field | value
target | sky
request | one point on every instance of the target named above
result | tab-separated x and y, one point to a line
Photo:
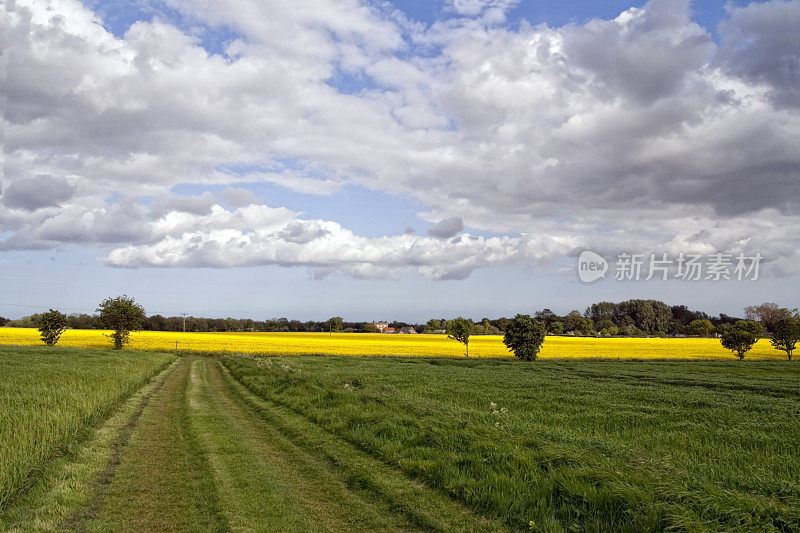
396	160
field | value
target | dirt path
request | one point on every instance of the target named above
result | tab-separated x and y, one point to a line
206	455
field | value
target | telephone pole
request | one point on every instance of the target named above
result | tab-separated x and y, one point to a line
184	321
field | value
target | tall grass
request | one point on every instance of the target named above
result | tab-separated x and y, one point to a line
583	445
48	398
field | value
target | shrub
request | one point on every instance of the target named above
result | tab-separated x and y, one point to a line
786	334
524	336
460	329
51	325
122	315
741	337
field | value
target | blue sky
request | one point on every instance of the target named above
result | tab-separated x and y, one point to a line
367	178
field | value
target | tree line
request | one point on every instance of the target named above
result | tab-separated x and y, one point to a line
630	318
201	324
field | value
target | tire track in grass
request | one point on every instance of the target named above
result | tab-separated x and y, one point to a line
265	482
71	485
118	447
425	508
163	481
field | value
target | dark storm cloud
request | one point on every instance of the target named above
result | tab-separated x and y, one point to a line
301	232
40	191
649	60
444	229
761	43
195	205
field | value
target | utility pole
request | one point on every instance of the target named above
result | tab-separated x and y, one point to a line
184	321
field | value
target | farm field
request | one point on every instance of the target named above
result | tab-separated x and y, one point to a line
395	345
566	445
354	444
49	397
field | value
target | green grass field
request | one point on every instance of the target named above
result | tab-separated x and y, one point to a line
48	397
147	442
587	445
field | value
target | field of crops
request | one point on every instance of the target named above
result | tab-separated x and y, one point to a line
566	445
385	344
48	397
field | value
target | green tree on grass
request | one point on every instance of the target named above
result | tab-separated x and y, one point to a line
122	315
460	329
51	325
524	336
741	337
786	334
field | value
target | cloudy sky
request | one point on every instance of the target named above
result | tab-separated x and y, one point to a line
403	159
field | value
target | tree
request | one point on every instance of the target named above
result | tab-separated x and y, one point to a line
487	328
80	321
433	325
557	328
586	327
752	326
122	315
51	325
767	313
741	337
335	323
609	331
524	336
786	334
700	327
573	321
459	329
546	316
3	321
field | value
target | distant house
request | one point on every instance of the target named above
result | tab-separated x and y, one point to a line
381	326
408	330
387	329
439	331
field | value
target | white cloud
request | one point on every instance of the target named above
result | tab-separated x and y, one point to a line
614	133
258	235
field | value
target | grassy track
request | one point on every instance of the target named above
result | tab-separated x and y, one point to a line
263	479
163	481
375	482
198	452
51	398
586	445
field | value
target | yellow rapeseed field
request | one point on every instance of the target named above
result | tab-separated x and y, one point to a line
387	344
